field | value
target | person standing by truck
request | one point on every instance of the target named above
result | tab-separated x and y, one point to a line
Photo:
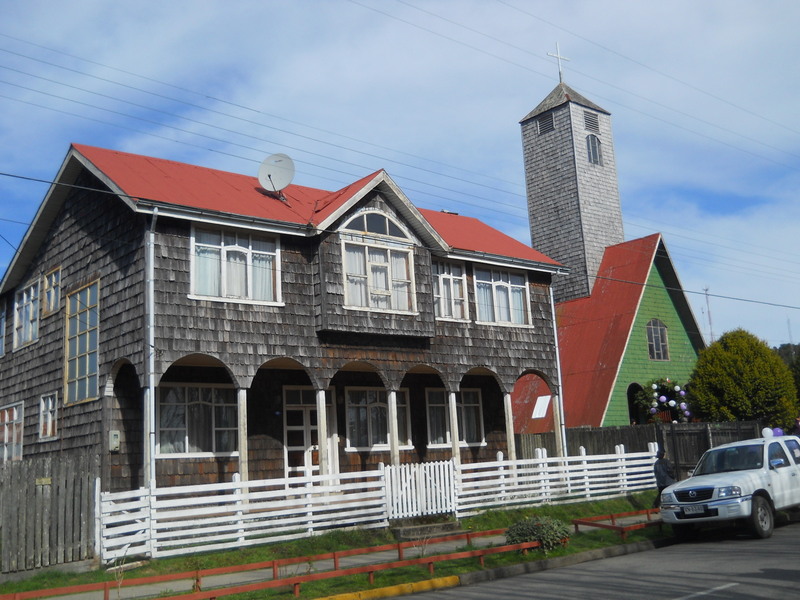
664	472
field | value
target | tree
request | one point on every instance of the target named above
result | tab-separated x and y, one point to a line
739	377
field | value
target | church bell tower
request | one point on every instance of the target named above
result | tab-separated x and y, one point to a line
571	180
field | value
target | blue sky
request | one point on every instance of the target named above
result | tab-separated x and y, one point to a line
702	94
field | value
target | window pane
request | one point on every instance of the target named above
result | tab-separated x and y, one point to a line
519	310
172	442
236	275
485	302
199	426
263	277
376	223
437	424
207	272
379	424
172	416
225	441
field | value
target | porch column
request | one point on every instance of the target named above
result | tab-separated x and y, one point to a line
454	444
241	400
512	447
323	443
394	442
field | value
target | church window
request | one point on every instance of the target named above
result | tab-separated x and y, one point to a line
593	150
591	121
545	123
657	340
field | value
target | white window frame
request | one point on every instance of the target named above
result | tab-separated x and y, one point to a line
437	398
657	340
502	282
379	400
12	424
26	314
450	291
184	397
51	292
48	416
377	248
594	150
235	242
82	345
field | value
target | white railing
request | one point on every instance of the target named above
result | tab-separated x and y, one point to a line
180	520
503	484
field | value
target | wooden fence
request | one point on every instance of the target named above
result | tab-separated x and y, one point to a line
46	511
181	520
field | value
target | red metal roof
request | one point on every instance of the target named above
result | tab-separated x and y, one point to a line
593	332
201	188
472	235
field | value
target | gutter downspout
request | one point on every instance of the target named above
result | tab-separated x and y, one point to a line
558	406
150	348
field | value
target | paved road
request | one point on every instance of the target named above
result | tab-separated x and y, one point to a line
721	565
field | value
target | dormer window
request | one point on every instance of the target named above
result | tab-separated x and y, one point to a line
378	264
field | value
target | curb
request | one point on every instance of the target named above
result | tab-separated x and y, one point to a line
399	590
501	572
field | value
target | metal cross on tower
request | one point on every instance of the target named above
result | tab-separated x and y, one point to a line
558	57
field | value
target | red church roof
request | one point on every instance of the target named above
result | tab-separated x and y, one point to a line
593	332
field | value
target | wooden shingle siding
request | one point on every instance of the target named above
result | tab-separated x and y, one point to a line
93	237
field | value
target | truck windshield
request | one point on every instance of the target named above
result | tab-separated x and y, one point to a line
738	458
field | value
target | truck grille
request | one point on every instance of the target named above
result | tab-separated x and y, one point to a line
694	495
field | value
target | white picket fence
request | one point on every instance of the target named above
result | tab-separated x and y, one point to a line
164	522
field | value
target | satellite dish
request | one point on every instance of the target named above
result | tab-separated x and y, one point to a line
276	172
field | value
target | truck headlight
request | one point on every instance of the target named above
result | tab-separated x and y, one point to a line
667	498
730	491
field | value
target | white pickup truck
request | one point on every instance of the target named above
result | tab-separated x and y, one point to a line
742	481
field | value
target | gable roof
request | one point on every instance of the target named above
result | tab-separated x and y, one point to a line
146	184
593	332
562	94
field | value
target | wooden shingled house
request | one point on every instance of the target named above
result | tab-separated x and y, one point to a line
188	326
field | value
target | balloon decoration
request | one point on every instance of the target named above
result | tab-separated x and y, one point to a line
667	402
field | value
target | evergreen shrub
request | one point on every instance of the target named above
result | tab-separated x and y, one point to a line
549	532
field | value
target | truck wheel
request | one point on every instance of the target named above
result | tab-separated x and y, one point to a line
762	521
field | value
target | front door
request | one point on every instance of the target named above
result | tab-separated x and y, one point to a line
301	432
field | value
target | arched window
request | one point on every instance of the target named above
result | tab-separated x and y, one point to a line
378	263
593	149
657	340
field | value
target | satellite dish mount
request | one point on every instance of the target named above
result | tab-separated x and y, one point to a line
275	173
